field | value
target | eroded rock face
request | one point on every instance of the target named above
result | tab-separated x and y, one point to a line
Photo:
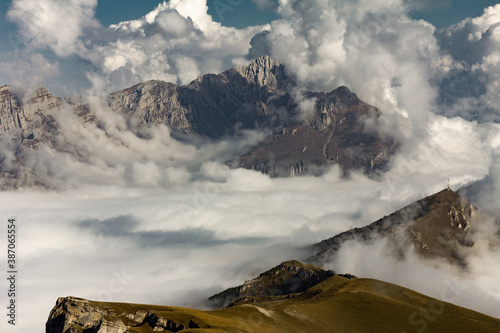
256	96
76	315
18	115
155	102
461	215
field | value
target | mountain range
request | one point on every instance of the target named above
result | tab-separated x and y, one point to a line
330	129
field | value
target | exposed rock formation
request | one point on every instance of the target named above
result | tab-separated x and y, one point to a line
28	116
212	105
76	315
257	96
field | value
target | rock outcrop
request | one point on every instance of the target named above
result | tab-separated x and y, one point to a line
212	105
26	116
257	96
77	315
287	278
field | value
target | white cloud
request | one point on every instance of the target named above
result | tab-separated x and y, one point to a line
176	42
151	47
54	23
474	43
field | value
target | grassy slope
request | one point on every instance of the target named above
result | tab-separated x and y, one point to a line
336	305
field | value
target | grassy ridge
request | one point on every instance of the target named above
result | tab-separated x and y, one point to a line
335	305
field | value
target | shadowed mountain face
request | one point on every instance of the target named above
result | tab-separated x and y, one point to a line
335	304
255	97
334	133
439	226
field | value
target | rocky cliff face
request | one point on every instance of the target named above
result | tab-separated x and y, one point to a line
257	96
76	315
26	122
439	226
25	116
212	105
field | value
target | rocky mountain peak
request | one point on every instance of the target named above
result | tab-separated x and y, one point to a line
263	71
253	97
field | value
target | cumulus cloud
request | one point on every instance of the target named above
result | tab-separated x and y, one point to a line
55	24
372	47
28	71
176	42
469	90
